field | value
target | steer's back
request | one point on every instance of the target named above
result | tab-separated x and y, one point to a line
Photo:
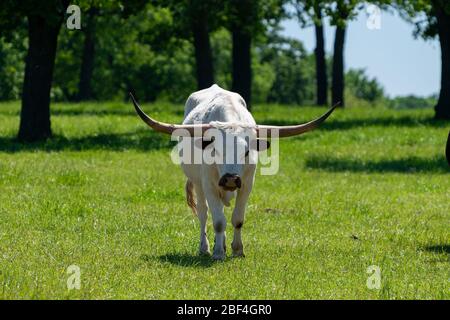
216	104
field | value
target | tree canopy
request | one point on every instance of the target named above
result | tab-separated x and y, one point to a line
168	49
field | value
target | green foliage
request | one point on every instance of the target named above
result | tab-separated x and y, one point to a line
144	55
368	188
67	65
308	11
340	11
12	12
282	69
254	16
185	13
264	76
359	84
147	48
412	102
221	44
293	68
128	59
419	13
12	56
422	14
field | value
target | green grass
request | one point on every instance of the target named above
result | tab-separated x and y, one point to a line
371	187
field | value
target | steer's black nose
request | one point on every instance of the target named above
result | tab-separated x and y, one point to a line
230	182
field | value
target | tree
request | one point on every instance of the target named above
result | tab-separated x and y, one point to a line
195	19
87	60
312	10
243	16
436	24
202	45
321	66
44	21
441	11
247	19
360	86
141	55
91	11
293	70
340	11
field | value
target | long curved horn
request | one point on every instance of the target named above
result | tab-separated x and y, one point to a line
289	131
193	129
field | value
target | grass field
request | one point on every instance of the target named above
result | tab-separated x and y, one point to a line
371	187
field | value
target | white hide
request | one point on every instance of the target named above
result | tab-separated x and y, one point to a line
227	112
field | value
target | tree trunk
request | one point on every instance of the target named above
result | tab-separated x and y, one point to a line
442	108
40	60
242	22
242	65
87	61
338	84
321	67
203	53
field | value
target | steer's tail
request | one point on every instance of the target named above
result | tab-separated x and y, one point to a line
190	196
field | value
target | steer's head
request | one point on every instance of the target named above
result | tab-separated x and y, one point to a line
231	147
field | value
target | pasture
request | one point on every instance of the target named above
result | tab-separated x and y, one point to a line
371	187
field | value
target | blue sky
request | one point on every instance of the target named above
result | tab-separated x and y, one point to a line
404	65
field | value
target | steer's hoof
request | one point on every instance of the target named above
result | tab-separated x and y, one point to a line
204	249
204	253
220	256
238	254
238	249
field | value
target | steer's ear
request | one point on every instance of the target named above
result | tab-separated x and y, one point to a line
262	145
203	142
206	143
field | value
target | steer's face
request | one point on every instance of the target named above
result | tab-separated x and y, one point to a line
235	156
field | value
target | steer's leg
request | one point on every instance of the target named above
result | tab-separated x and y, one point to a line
237	220
202	212
219	223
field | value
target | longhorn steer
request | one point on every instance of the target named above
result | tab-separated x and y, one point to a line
213	185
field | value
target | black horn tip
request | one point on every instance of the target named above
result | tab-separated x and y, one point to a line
337	104
132	96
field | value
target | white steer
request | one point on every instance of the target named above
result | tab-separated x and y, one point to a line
223	129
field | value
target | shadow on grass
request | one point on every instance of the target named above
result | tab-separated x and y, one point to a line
405	165
128	111
345	124
182	260
143	140
131	112
439	248
104	112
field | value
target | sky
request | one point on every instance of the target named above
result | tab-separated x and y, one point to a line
402	64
